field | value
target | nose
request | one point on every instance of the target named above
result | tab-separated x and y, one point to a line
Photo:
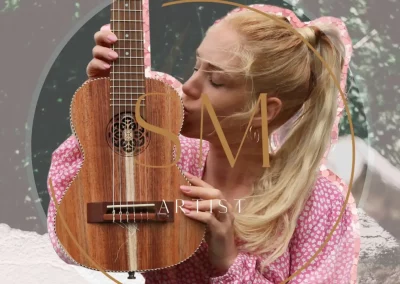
193	87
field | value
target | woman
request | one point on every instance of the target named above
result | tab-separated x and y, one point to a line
277	217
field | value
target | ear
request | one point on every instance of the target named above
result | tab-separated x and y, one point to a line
274	106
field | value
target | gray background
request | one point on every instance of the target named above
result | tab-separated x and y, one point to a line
46	45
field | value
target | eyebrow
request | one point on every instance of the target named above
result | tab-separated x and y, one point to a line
211	66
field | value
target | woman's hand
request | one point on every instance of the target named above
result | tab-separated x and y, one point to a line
220	234
103	55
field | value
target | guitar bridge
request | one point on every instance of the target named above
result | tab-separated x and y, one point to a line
130	212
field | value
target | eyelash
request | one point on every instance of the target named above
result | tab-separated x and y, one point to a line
212	83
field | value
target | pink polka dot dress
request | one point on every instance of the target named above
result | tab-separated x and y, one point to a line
333	265
336	263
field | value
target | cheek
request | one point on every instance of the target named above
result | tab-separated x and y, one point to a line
225	101
229	103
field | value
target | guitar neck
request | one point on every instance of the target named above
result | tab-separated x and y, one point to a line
127	74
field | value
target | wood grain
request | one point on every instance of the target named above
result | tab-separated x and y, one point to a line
120	247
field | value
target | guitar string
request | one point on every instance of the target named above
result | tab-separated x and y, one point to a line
129	37
134	145
130	72
123	173
120	115
123	67
139	8
134	111
137	76
113	117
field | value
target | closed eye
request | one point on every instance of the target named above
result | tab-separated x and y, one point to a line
211	81
214	84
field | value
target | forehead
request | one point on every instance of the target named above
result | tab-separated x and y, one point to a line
218	46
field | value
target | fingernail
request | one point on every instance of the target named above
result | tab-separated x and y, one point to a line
187	203
113	54
186	211
185	188
106	65
106	27
112	37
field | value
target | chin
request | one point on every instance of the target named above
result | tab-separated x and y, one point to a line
190	131
190	134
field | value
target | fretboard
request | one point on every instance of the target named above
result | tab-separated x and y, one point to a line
127	74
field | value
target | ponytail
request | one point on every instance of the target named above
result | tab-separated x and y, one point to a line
268	217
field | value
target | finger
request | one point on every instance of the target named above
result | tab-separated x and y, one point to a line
104	53
204	217
105	38
106	27
197	181
218	206
201	192
97	68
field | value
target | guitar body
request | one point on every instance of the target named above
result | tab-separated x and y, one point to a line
115	151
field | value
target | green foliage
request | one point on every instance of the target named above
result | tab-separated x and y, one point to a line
357	112
10	5
374	99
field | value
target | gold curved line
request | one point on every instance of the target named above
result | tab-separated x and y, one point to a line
73	238
345	105
347	112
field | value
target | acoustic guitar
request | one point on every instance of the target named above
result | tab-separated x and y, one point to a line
123	205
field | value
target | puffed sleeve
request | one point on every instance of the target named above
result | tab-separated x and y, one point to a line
65	163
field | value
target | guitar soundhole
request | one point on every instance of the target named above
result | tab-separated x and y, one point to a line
125	136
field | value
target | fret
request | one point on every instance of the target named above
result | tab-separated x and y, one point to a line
126	99
125	65
133	54
112	87
137	73
127	30
127	105
138	80
125	94
131	72
126	10
128	68
122	39
127	24
121	15
126	57
129	48
132	93
136	39
138	21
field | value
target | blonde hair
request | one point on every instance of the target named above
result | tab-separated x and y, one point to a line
278	62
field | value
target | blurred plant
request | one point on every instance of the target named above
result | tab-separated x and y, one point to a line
357	112
10	5
373	93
